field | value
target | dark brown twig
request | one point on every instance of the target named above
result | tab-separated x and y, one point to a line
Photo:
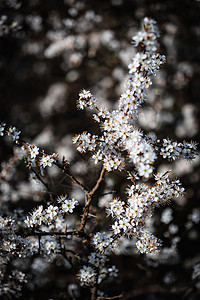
111	298
89	199
64	169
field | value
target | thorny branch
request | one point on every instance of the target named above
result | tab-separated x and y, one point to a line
89	199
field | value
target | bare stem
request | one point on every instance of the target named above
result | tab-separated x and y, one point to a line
94	293
89	199
64	169
111	298
44	233
59	234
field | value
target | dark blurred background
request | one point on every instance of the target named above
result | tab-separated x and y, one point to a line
50	50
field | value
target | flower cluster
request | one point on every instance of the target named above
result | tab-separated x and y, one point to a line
119	127
147	242
67	205
51	213
35	156
14	133
131	216
86	99
11	131
49	245
148	36
173	150
87	275
46	245
7	26
119	131
86	142
12	243
97	261
2	127
13	286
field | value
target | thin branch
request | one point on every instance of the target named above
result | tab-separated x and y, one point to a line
94	293
111	298
64	169
39	242
98	182
41	180
63	250
115	237
89	199
104	194
44	233
80	234
91	215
